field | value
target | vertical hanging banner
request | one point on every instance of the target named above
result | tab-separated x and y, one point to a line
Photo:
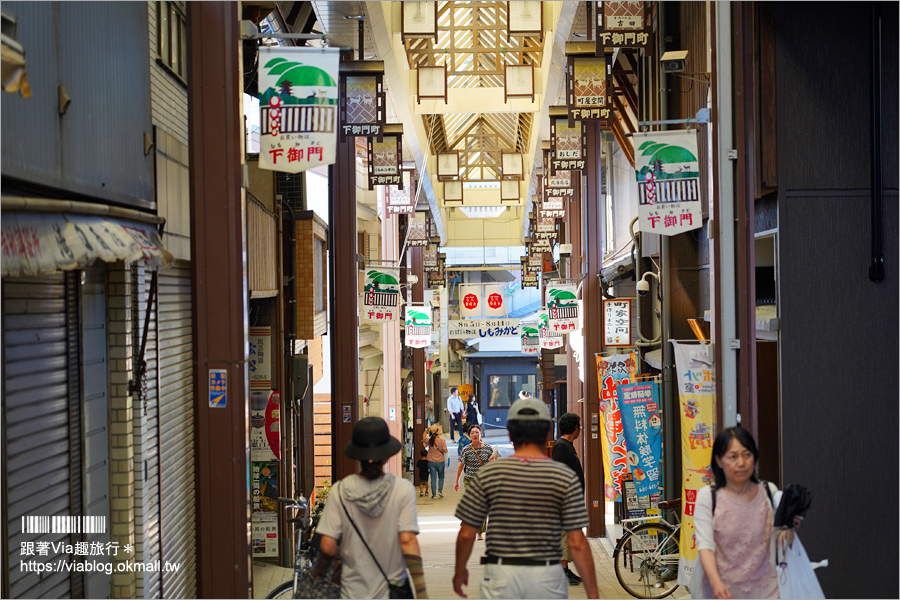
531	343
549	339
617	322
568	147
470	305
381	294
495	300
588	96
418	230
612	372
362	104
668	178
696	392
260	360
562	306
418	325
298	105
642	425
385	159
400	197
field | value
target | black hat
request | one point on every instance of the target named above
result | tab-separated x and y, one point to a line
372	441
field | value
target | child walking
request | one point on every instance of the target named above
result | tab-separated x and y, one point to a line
422	464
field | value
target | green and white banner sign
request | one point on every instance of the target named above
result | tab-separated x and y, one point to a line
381	294
298	105
531	343
549	339
668	178
418	325
562	307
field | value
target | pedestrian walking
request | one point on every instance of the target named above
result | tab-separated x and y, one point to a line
429	411
455	408
472	414
529	500
373	514
564	452
437	450
474	456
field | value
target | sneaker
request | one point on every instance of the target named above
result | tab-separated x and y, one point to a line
440	495
421	494
432	496
572	577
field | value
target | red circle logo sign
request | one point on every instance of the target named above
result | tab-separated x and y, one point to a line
495	300
470	301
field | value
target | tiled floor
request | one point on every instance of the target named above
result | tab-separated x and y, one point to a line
437	539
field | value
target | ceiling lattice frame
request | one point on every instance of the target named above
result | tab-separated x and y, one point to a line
473	43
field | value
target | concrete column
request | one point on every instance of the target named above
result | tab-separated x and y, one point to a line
219	297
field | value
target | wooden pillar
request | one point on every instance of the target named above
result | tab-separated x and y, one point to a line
417	268
592	229
343	272
219	302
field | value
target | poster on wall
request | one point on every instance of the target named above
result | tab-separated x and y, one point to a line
260	363
668	178
381	294
613	371
265	538
642	425
418	325
298	106
264	489
696	394
562	306
265	425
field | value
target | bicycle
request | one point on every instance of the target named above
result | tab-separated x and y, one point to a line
646	557
304	550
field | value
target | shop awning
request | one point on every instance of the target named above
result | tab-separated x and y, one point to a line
41	244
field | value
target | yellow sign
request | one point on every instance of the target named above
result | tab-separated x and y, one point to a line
464	391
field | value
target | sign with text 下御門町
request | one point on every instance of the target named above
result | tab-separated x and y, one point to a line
298	104
483	328
668	178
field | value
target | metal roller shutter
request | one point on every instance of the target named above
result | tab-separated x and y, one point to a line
36	424
176	432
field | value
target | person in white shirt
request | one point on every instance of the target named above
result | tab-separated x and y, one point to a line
455	408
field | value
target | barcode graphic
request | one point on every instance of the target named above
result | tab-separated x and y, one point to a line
63	524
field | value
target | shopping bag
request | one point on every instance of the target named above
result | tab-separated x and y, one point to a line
796	578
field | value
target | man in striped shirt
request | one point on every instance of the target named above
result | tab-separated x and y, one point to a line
529	500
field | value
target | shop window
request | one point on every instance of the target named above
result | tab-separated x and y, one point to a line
503	390
171	34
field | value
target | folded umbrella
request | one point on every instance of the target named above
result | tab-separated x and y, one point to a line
795	501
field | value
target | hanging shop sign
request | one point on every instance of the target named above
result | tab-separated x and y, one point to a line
298	107
552	210
418	230
668	178
560	179
612	372
531	342
562	306
470	301
385	160
483	328
260	360
530	272
642	424
588	85
418	325
381	294
617	322
621	25
549	338
362	103
494	300
400	197
430	258
567	145
696	393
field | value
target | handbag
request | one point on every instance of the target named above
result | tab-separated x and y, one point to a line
404	590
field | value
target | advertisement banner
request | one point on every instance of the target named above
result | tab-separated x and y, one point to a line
265	425
260	365
531	343
549	339
697	396
613	371
562	306
483	328
418	325
668	178
264	489
470	306
265	538
381	294
642	424
298	105
495	300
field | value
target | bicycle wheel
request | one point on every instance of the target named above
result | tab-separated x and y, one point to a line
283	590
646	560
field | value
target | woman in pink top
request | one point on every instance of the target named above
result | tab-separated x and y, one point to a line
734	546
437	449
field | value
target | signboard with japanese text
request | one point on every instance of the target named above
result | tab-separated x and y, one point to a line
470	301
564	180
612	372
617	322
265	537
548	337
622	25
642	425
483	328
400	197
567	145
264	489
531	342
668	178
697	399
495	300
381	294
218	388
260	359
362	105
430	257
385	158
265	425
418	325
298	107
562	306
588	90
637	507
418	230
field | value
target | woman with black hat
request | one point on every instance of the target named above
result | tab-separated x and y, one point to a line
373	514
